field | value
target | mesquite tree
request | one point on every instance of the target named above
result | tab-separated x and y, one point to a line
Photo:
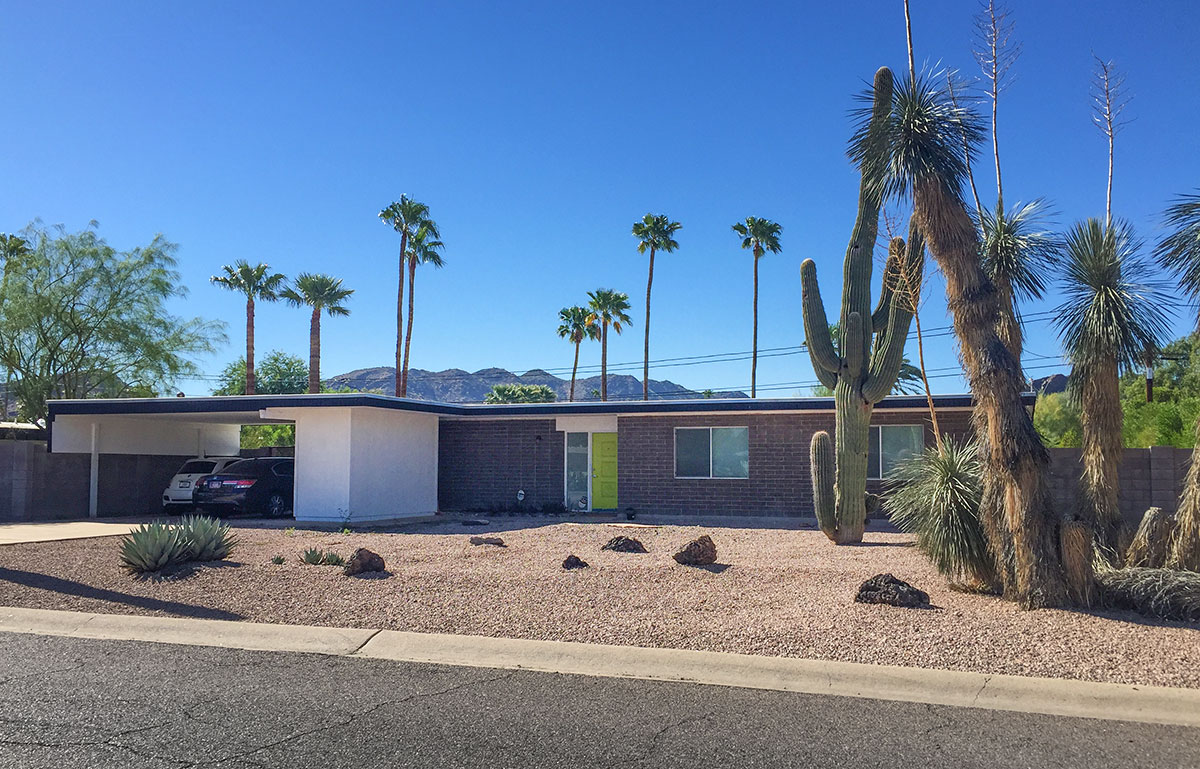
863	368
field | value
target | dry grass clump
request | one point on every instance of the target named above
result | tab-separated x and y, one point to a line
1166	593
1149	546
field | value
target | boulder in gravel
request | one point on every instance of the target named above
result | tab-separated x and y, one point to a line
624	544
884	588
488	541
574	562
364	560
699	552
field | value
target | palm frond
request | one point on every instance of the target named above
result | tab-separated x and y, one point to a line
320	291
1113	309
1179	250
759	235
656	231
1019	247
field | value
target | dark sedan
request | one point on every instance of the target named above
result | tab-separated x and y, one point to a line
260	486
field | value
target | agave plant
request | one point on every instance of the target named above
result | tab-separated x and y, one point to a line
333	559
206	538
313	556
936	495
153	547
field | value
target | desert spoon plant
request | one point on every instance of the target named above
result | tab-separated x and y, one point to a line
864	367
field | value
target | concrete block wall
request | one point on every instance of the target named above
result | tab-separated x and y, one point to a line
1150	477
483	463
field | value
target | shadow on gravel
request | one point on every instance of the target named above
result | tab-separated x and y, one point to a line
70	587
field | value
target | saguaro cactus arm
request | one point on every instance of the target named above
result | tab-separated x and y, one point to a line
821	464
816	327
889	347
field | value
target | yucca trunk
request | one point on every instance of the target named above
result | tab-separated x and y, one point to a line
400	312
646	358
250	345
754	338
314	351
1102	448
412	277
574	368
1008	326
1184	550
1016	510
603	361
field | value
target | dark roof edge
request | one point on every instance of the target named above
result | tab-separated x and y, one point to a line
234	403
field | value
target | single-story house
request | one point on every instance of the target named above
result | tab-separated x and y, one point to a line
366	457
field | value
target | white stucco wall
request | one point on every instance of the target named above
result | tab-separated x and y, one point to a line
360	464
138	435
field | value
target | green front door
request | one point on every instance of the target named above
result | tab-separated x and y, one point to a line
604	471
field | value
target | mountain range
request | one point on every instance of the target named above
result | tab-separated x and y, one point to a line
459	386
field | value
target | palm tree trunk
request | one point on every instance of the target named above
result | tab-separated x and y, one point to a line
249	345
1102	449
314	351
646	358
604	360
754	341
400	312
412	276
1016	504
1008	326
574	368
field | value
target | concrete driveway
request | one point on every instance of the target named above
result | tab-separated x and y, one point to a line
52	531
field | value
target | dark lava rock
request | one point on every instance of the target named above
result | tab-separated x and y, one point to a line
624	545
884	588
574	562
364	560
488	541
698	552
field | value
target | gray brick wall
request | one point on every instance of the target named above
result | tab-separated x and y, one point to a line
482	463
1150	477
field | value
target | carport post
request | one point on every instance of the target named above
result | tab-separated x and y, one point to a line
94	476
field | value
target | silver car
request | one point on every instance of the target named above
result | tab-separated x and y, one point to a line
177	497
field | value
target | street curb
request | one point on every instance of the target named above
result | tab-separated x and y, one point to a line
1047	696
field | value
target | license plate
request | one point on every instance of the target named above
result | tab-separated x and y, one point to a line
185	484
214	484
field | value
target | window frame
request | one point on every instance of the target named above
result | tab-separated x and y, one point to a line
710	476
877	447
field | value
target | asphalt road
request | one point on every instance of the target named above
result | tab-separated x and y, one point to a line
68	703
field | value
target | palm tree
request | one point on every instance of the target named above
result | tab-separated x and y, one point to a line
1111	315
1179	252
1019	251
320	292
654	233
405	216
576	324
922	152
258	283
608	308
758	236
423	248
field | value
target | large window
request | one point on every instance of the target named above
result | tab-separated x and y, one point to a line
890	445
712	452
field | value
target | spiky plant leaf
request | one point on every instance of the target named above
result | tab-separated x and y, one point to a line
333	559
1179	250
152	547
313	556
206	538
1019	248
936	495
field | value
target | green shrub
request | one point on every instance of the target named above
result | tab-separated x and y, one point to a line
206	538
333	559
277	560
313	556
1166	593
936	496
153	547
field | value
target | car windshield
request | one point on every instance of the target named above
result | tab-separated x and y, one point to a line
197	466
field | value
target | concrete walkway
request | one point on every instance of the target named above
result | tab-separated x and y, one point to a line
1058	697
51	531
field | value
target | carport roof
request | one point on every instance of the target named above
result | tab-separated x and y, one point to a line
230	408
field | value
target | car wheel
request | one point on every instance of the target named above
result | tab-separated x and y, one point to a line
276	505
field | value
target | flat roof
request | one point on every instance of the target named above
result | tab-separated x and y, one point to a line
250	405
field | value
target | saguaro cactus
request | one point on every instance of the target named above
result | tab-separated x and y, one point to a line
863	368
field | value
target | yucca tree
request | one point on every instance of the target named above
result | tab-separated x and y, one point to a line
576	324
423	248
1179	252
322	293
607	308
1111	314
923	154
259	284
759	236
406	216
1020	251
655	232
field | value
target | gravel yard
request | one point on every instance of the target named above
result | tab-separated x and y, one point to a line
773	591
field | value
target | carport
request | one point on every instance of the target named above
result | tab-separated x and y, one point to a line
359	457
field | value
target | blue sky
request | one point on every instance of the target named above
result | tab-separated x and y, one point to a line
538	133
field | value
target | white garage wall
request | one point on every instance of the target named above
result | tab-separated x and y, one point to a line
393	471
322	463
72	434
